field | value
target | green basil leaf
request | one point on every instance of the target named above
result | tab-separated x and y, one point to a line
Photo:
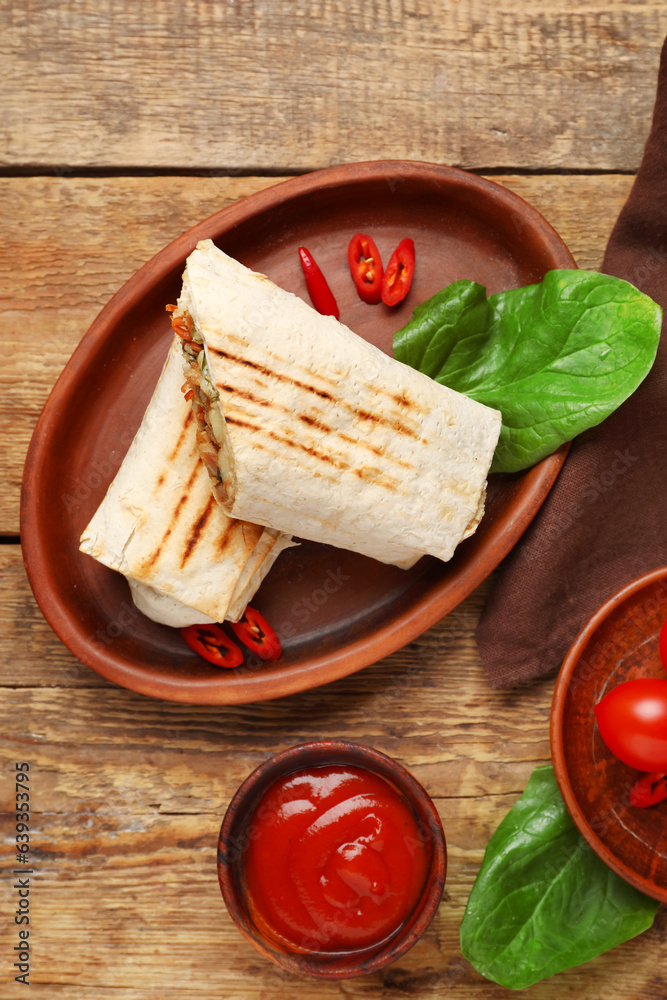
555	358
543	901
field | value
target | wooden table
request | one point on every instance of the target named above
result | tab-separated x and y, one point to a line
124	124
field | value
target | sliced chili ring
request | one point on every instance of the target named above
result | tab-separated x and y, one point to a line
255	632
365	267
649	789
399	273
213	644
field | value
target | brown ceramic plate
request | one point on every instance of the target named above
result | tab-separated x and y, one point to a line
343	611
618	644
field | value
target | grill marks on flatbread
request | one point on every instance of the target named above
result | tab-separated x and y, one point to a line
197	530
327	444
151	560
183	440
319	434
317	422
273	376
192	523
319	454
160	525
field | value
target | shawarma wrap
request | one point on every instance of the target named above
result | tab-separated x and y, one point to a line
159	525
308	429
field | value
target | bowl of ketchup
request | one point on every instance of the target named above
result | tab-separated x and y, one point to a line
331	859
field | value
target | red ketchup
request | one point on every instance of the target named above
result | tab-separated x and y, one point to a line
335	860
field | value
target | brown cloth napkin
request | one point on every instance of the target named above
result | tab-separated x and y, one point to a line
605	521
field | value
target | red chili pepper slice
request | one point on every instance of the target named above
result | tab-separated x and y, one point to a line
365	267
255	632
650	788
213	643
399	274
320	294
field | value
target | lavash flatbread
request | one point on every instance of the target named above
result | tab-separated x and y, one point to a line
187	562
322	435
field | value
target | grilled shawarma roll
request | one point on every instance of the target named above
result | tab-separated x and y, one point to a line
308	429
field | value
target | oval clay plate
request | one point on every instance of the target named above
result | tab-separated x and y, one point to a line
335	611
619	643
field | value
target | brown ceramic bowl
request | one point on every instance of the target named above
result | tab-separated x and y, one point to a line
237	830
619	643
337	611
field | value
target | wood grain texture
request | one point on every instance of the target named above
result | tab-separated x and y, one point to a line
128	794
69	243
31	653
268	84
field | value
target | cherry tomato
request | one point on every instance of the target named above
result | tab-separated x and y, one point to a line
663	645
632	720
213	643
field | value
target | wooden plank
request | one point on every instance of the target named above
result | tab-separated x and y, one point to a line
32	656
159	922
257	85
69	243
128	794
67	246
30	652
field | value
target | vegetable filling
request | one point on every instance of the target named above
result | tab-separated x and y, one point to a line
211	433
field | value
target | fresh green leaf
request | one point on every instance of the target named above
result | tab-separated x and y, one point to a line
543	901
555	358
